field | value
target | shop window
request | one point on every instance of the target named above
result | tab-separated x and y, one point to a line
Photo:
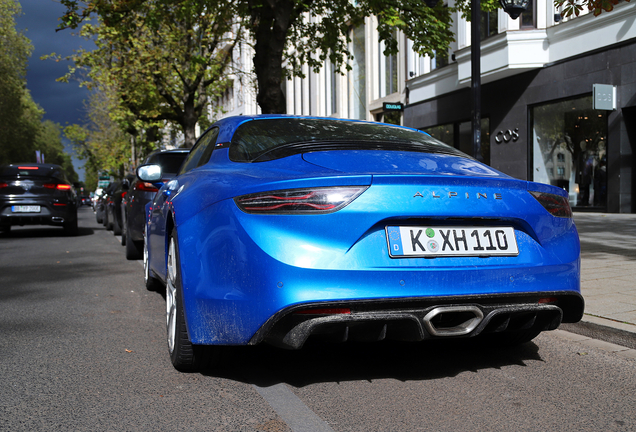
466	140
460	136
573	137
444	133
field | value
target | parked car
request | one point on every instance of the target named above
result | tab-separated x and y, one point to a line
37	194
140	193
100	204
281	228
114	206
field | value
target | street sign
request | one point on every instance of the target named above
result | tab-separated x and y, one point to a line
604	97
393	106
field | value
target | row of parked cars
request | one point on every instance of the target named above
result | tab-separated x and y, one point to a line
120	208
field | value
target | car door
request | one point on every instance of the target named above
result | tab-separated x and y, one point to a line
161	206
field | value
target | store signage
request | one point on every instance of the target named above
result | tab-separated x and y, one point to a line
507	136
604	97
393	106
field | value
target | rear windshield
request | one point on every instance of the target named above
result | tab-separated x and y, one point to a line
267	139
169	162
27	170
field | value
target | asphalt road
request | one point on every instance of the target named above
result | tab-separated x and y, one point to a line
82	347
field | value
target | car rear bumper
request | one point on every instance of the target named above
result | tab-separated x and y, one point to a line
420	319
49	214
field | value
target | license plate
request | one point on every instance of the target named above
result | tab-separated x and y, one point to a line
25	209
433	241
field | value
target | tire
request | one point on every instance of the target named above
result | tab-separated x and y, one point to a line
70	228
109	221
5	229
185	356
152	283
98	219
134	249
115	225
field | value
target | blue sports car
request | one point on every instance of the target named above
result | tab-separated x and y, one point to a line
281	228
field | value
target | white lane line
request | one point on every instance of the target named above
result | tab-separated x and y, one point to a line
292	410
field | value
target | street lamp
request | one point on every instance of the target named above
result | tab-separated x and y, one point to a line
514	8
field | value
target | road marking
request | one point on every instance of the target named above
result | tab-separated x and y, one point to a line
291	409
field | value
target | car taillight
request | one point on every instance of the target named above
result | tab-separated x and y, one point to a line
299	201
145	187
123	194
548	300
4	185
60	186
27	168
556	205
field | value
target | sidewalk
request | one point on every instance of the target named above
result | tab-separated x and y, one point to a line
608	274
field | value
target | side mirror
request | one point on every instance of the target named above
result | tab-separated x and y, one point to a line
149	173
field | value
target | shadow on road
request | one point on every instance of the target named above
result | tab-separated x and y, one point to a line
47	231
317	362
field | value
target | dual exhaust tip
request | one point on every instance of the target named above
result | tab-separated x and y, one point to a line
452	320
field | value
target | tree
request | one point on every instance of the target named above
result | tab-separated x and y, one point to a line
297	32
574	7
163	58
23	131
101	143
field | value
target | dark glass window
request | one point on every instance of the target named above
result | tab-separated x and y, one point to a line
529	17
489	25
570	140
267	139
202	149
169	162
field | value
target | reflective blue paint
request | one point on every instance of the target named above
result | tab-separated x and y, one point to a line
239	269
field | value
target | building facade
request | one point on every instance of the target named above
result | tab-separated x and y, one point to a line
541	117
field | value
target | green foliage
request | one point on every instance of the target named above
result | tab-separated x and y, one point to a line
575	7
101	143
162	59
23	131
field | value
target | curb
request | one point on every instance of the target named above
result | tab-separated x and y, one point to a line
619	350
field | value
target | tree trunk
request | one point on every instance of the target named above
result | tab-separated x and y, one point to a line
271	23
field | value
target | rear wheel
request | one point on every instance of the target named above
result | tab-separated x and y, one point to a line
5	229
115	224
70	227
152	284
134	249
185	356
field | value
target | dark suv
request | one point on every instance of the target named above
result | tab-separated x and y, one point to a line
37	194
141	193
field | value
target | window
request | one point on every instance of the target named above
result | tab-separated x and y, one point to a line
572	137
201	152
460	136
528	19
489	25
357	76
388	69
331	79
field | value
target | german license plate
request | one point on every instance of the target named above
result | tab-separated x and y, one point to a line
433	241
25	209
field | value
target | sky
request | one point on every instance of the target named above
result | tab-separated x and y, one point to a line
63	102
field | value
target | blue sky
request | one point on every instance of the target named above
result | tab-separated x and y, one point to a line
63	102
